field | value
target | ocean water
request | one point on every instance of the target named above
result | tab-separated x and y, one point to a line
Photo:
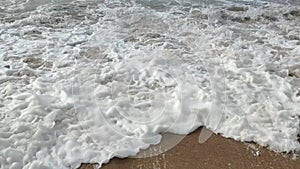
83	81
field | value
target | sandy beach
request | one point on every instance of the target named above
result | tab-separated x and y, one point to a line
216	152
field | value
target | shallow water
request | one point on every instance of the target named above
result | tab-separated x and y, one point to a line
84	81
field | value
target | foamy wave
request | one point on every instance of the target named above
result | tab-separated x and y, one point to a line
82	82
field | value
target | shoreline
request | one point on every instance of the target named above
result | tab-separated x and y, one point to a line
216	152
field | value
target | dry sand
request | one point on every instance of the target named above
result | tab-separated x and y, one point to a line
217	152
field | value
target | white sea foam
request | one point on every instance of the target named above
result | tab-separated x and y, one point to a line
84	81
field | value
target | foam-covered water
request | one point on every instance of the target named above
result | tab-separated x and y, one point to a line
84	81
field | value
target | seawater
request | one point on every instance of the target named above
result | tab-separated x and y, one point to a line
85	81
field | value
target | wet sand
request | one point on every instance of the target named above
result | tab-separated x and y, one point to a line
217	152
